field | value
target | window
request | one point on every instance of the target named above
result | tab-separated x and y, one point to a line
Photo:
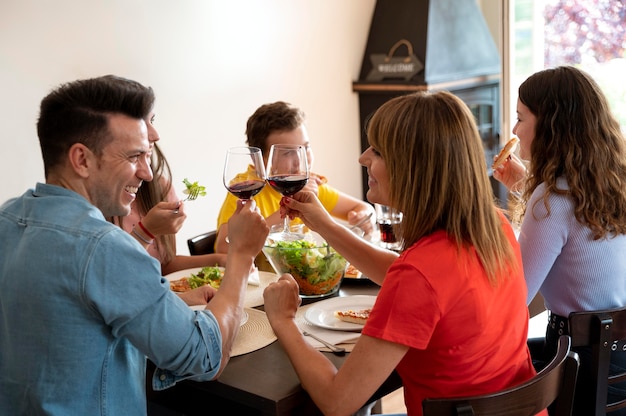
590	34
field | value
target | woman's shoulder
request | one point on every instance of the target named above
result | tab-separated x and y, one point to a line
561	197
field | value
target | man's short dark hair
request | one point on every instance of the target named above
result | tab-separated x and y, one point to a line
77	112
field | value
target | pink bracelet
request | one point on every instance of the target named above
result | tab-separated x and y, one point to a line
148	233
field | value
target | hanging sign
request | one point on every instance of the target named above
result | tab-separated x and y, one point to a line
388	66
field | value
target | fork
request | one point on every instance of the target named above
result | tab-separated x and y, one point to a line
335	349
192	195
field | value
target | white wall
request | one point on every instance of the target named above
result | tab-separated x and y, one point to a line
211	63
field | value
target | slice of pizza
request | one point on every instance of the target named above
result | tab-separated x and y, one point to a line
180	285
353	316
352	272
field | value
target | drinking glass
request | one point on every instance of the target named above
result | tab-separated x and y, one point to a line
387	218
244	172
287	173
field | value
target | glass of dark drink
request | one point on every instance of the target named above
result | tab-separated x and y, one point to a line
244	172
387	219
287	173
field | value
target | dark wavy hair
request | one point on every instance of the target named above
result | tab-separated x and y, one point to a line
577	137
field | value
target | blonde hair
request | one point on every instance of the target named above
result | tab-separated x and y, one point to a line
438	176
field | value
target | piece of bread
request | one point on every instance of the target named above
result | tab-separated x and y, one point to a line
505	152
352	316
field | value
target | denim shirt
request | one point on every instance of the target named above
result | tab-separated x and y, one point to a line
81	307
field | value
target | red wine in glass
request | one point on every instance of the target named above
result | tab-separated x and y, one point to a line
287	173
387	219
244	172
387	234
286	184
247	189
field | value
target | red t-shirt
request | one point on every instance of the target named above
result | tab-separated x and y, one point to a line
465	336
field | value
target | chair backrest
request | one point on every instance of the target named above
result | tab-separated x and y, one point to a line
554	384
202	244
604	331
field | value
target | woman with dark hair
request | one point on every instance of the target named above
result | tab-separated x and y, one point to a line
572	203
456	291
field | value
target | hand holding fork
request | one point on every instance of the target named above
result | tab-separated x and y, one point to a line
193	191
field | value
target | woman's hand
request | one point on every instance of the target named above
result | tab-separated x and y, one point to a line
307	207
281	299
511	173
165	218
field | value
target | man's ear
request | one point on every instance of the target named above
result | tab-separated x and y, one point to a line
81	159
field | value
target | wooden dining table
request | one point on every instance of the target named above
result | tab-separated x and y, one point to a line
262	382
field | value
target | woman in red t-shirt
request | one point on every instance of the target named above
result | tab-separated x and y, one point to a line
451	315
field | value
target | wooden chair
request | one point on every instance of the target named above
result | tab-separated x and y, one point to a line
554	384
202	244
604	331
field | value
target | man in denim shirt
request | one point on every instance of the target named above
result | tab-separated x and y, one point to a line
82	304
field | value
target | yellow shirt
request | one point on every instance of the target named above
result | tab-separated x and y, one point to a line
268	201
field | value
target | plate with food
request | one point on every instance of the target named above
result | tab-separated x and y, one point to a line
181	281
185	280
346	313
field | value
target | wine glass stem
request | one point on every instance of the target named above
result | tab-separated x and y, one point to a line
286	225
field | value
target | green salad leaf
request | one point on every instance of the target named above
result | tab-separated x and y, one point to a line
210	275
192	187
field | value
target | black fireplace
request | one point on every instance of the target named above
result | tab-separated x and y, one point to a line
433	45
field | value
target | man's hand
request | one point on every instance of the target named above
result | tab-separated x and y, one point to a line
247	229
199	296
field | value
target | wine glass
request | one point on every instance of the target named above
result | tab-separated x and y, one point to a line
244	172
287	173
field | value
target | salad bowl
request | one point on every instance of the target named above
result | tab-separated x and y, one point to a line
316	266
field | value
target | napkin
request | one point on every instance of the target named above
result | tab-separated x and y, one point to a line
253	278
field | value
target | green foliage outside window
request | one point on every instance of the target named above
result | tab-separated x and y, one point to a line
590	34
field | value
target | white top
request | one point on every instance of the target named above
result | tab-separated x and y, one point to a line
561	259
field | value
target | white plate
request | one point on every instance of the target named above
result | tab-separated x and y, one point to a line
244	318
322	313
